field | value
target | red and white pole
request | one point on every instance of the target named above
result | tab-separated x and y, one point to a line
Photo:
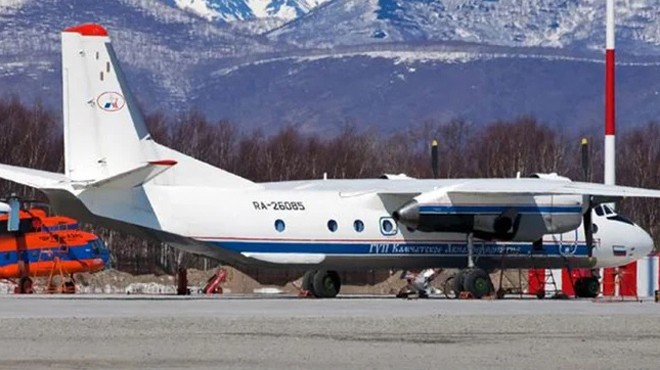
610	125
610	111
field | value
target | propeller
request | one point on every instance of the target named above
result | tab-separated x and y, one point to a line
585	159
434	158
586	218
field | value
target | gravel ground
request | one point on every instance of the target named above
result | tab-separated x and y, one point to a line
354	333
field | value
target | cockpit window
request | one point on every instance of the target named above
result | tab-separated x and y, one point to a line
608	210
599	211
620	218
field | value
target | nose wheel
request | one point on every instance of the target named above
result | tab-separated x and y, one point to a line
587	287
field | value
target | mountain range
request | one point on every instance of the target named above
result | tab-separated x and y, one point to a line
319	64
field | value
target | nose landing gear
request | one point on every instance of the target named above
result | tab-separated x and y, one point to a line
587	287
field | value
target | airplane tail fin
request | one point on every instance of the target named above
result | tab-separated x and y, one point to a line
105	135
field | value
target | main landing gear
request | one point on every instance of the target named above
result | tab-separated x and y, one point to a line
473	281
322	283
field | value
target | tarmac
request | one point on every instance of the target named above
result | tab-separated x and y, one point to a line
250	332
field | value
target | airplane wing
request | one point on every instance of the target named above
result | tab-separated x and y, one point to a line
537	187
557	188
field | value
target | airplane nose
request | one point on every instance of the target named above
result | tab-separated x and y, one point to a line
643	243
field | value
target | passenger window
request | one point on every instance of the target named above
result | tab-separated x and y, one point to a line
332	225
279	225
358	225
388	226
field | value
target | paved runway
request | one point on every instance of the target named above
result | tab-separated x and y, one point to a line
287	333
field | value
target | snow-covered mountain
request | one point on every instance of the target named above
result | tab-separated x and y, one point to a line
386	63
532	23
245	10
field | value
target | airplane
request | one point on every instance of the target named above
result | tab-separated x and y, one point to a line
41	245
118	177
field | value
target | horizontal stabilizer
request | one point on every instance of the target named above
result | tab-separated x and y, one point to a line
33	178
135	177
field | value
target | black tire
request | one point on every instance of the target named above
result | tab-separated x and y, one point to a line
457	284
25	285
308	282
326	284
587	287
540	294
477	282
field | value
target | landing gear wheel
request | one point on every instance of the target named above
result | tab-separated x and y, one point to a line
25	285
477	282
587	287
457	284
326	284
308	282
540	294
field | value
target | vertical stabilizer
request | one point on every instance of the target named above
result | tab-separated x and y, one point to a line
105	135
103	128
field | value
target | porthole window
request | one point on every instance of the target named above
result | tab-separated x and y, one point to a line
388	226
358	225
279	225
332	225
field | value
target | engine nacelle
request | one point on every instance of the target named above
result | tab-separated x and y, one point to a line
515	217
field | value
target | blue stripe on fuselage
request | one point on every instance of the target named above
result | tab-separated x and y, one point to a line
438	209
396	248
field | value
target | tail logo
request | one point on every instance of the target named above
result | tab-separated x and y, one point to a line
111	101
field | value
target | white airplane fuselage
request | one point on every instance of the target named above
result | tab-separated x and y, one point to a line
291	224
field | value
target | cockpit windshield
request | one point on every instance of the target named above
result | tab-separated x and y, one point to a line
610	214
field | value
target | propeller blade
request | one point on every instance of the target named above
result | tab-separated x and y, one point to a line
434	158
585	159
588	228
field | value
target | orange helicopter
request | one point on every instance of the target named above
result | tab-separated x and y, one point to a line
36	244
